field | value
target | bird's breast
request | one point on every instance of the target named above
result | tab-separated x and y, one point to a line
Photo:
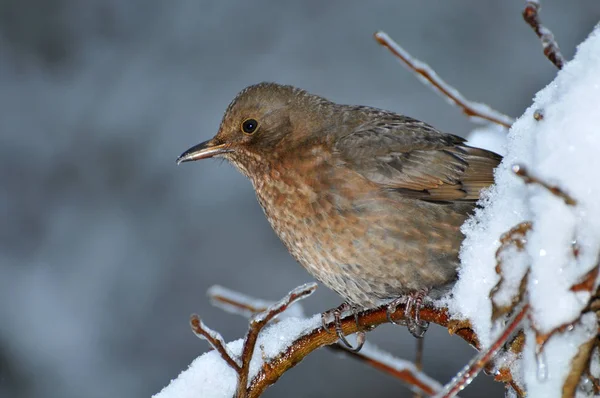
307	200
351	236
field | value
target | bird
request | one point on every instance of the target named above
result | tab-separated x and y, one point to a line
368	201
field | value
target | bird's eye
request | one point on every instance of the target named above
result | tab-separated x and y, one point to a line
249	126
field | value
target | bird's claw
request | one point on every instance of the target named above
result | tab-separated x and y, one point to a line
391	308
337	314
415	325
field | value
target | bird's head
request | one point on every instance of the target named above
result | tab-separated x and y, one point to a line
264	121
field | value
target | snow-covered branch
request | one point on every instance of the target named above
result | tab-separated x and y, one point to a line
474	110
288	340
550	260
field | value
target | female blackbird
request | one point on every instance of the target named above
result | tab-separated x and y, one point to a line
370	202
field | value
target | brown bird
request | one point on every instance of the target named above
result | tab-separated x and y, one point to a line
370	202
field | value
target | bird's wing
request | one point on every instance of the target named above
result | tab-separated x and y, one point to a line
414	159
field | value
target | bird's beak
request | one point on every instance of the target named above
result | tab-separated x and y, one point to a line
204	150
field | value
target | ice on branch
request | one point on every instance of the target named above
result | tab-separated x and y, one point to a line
555	265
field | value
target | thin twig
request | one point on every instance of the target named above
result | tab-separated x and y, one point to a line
513	242
549	44
477	364
257	323
216	341
419	360
473	110
235	302
398	368
522	172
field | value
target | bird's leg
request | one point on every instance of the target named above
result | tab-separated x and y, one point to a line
337	314
414	324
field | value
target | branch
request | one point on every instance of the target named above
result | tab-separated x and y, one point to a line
396	367
474	110
258	322
522	172
477	364
216	341
319	337
549	44
236	303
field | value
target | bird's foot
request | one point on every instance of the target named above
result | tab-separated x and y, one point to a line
336	313
414	301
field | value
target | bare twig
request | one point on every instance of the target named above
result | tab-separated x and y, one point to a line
216	341
419	360
257	323
588	281
259	318
427	75
522	172
478	363
398	368
549	44
511	241
235	302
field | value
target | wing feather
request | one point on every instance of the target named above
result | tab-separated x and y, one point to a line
414	159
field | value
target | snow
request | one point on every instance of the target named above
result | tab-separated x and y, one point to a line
208	376
560	148
544	376
276	338
214	336
491	137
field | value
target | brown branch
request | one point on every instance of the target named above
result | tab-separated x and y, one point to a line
522	172
549	44
410	375
579	365
420	346
427	75
514	239
319	337
257	323
478	363
237	303
216	341
593	379
259	319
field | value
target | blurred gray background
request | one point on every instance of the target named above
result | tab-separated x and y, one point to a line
106	247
